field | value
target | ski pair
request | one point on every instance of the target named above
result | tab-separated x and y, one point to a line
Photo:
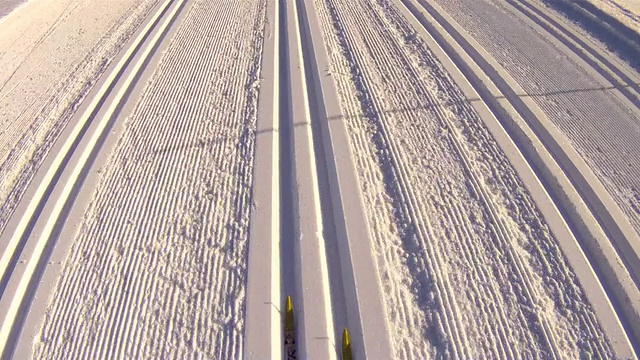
290	335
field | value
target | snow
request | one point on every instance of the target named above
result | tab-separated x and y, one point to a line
626	11
52	54
601	128
329	150
441	239
7	6
177	229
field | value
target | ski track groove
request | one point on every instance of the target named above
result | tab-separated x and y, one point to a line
133	288
451	315
125	282
44	124
499	342
429	253
589	324
585	117
503	228
616	74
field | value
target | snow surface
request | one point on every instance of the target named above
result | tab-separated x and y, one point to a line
603	130
626	11
446	207
51	54
7	6
466	265
162	260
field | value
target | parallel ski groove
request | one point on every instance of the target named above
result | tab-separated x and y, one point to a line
591	321
442	289
228	150
601	128
605	250
29	136
21	297
406	188
373	106
16	239
621	79
159	268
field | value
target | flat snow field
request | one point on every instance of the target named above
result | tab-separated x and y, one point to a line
444	179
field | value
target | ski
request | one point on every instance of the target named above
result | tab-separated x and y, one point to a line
289	331
346	345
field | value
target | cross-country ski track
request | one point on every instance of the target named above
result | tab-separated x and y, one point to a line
444	179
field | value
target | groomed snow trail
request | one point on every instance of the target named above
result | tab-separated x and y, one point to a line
601	128
626	11
463	253
51	55
367	158
158	267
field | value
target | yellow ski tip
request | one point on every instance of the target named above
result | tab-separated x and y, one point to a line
289	305
345	338
346	345
288	315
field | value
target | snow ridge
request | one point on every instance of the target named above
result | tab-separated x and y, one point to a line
465	257
186	157
33	122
